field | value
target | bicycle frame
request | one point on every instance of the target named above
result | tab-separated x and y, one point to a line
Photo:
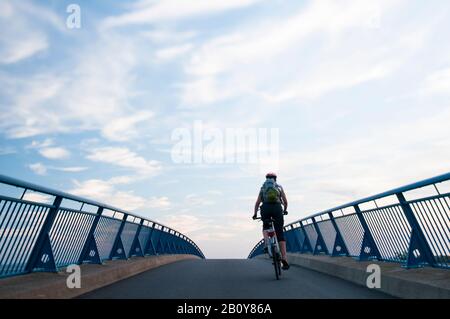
270	237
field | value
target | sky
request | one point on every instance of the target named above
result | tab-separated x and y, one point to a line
354	97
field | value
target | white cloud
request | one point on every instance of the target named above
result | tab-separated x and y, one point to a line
23	36
55	153
124	128
37	197
149	11
7	150
170	53
17	49
437	83
123	157
92	94
238	64
42	169
105	191
159	203
38	168
73	169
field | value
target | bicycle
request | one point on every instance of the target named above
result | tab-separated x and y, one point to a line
273	248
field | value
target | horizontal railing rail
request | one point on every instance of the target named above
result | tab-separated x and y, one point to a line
413	232
40	236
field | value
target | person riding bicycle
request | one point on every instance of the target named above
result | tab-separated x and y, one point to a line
273	199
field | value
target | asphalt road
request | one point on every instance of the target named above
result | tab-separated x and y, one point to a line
232	279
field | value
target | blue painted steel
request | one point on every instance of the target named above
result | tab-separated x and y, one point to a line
414	232
320	247
36	236
339	246
90	253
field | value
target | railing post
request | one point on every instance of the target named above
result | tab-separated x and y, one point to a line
368	247
118	250
339	247
42	254
90	250
149	245
306	247
136	247
321	247
418	251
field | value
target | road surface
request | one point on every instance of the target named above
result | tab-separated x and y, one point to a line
231	279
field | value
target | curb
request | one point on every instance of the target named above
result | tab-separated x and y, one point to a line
43	285
417	283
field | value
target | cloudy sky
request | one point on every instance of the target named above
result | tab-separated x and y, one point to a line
359	92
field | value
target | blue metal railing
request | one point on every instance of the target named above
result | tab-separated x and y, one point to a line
413	232
37	236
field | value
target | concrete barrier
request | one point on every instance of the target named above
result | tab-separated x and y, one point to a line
43	285
396	281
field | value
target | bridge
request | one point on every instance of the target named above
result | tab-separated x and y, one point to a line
44	232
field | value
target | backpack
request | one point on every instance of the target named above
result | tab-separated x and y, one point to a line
270	191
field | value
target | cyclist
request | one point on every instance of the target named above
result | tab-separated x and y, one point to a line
273	199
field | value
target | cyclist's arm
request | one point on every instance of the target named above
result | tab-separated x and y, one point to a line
258	202
284	198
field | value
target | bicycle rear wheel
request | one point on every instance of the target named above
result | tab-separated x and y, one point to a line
276	262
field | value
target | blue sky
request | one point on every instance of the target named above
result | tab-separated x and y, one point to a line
359	92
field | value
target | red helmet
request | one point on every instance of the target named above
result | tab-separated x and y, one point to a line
271	175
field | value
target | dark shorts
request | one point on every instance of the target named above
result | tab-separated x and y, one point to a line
276	212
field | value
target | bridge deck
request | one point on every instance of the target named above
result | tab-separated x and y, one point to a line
231	279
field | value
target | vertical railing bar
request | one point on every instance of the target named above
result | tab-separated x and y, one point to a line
404	223
17	244
12	243
23	193
9	227
136	237
437	190
56	230
403	237
338	232
375	233
348	231
65	224
24	239
447	233
435	237
119	236
5	221
438	226
415	226
386	230
398	232
80	233
90	218
358	232
366	230
442	219
39	218
387	236
426	228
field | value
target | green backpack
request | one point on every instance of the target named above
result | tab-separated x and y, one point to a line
270	191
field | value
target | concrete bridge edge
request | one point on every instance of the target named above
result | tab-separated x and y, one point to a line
44	285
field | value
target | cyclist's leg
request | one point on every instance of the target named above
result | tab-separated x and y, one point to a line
264	216
279	224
